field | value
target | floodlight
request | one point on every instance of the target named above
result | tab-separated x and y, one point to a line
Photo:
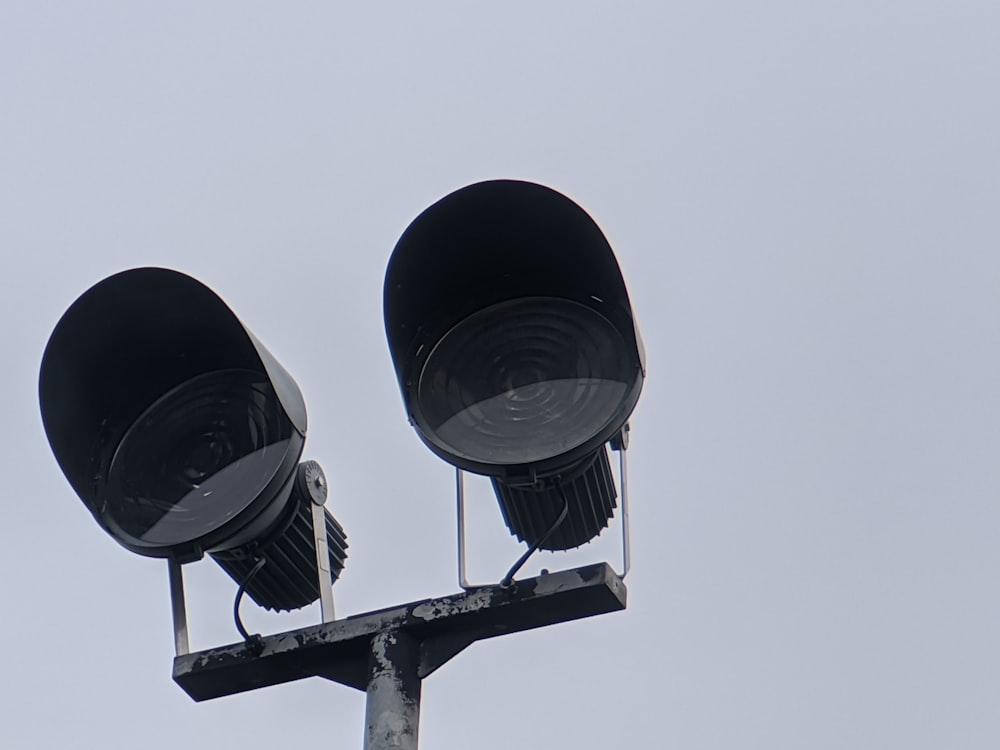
516	351
182	434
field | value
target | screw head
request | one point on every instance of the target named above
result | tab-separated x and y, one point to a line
313	481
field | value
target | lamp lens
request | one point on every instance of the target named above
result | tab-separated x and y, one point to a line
197	457
523	380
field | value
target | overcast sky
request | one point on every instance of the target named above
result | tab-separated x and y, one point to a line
805	201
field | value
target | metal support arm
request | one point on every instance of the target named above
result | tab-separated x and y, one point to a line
340	650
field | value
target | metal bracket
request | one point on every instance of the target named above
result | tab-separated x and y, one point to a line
621	446
323	577
619	443
340	650
178	608
463	580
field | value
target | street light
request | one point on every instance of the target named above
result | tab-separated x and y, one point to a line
516	351
518	358
182	434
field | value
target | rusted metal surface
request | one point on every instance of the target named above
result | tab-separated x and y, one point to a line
392	711
441	628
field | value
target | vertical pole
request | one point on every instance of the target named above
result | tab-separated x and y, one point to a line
178	608
392	713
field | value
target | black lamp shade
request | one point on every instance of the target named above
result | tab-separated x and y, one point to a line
510	330
176	428
514	343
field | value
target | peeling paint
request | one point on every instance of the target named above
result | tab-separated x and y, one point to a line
437	608
281	645
393	707
394	730
380	648
391	650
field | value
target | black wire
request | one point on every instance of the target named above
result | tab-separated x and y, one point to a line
508	579
239	595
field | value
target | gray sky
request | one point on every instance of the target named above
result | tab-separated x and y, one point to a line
804	200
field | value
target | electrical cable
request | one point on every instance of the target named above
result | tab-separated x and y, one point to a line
239	595
508	580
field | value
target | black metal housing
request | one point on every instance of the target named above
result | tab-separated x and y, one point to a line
588	490
485	244
289	578
514	248
124	344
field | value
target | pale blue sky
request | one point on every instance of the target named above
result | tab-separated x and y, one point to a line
804	200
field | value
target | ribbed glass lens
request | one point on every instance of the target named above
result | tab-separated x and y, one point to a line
523	381
197	457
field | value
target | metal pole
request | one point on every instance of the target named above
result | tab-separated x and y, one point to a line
177	608
392	712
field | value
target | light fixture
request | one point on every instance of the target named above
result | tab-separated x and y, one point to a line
516	351
183	435
518	358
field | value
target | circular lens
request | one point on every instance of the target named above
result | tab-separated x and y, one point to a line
523	381
197	457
